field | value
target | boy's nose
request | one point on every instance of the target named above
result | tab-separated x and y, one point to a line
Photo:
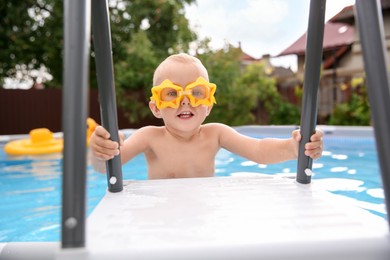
185	101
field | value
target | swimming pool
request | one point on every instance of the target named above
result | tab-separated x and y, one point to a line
30	186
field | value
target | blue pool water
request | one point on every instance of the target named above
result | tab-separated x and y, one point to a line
30	186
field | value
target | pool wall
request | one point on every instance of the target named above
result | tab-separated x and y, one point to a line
348	131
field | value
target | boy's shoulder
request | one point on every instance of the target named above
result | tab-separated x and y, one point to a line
215	127
149	131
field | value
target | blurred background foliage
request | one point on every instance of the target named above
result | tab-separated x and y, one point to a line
357	110
144	32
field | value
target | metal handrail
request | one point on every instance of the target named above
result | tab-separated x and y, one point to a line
371	29
74	115
75	99
313	62
101	39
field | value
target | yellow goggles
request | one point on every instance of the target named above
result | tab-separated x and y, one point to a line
167	94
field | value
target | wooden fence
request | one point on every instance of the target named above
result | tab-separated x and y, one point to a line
24	110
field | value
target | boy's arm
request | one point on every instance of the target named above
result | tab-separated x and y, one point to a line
289	148
268	150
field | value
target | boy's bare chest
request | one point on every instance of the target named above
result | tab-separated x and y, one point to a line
191	159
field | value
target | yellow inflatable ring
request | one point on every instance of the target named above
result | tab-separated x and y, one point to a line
91	125
41	141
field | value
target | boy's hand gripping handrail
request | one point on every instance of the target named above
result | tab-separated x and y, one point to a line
101	38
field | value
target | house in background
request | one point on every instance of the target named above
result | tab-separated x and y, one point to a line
342	58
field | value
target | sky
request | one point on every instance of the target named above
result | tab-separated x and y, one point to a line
261	26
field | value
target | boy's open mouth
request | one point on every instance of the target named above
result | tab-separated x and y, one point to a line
185	114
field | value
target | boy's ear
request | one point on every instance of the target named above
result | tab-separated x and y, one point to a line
156	112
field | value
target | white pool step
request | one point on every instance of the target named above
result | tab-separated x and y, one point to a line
246	217
232	218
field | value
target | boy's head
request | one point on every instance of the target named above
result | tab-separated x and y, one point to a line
181	69
182	91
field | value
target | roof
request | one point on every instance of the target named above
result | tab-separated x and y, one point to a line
335	35
247	57
346	15
282	72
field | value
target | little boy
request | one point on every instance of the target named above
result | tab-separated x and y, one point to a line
183	97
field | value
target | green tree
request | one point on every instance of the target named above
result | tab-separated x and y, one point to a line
266	96
31	32
354	112
224	68
243	90
31	35
161	25
134	76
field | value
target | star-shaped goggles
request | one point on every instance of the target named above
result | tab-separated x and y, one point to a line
168	94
